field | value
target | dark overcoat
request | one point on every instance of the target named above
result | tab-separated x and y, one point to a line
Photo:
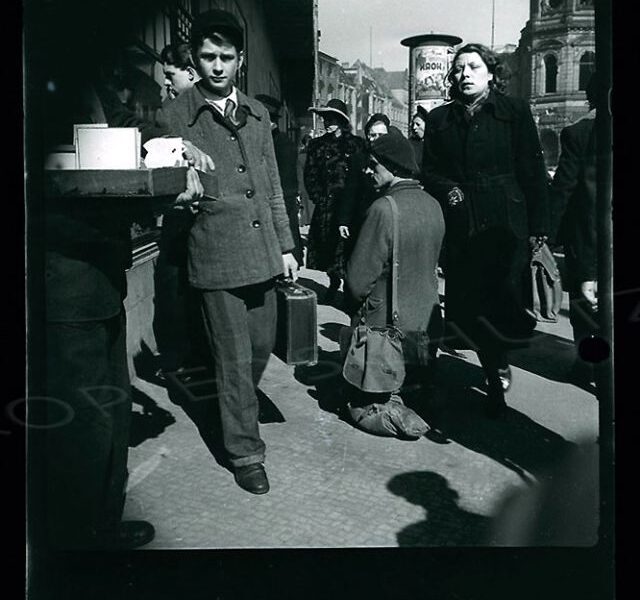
368	273
574	199
329	161
495	158
287	159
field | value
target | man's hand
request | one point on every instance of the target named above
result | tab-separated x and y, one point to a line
196	157
344	232
290	266
589	291
189	198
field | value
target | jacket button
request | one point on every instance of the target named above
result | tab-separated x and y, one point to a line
255	224
241	168
233	138
249	193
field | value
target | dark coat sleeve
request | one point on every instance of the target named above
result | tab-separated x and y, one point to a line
573	194
353	193
531	171
371	253
431	178
312	167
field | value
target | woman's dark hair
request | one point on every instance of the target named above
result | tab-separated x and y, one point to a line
178	55
495	66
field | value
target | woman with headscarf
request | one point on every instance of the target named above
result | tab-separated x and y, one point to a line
329	159
483	162
418	122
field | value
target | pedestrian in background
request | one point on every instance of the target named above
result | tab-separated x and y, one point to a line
306	210
483	162
574	208
176	323
329	160
287	159
418	122
179	70
360	191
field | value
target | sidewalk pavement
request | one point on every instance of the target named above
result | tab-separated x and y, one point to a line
335	486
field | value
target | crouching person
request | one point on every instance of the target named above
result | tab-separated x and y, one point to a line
420	230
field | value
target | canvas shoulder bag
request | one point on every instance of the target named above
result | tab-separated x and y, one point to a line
374	360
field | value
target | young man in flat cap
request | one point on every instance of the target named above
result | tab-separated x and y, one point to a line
240	242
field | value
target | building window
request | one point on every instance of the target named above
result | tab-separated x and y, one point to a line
587	67
550	74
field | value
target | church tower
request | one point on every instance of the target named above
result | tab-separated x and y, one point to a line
557	50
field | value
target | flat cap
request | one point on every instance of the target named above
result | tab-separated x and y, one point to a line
216	20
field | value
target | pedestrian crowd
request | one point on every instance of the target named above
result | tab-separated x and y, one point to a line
467	196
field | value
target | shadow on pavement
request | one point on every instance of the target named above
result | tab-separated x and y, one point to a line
515	440
321	291
326	378
446	524
549	356
151	422
331	331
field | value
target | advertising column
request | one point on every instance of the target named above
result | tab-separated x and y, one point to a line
430	57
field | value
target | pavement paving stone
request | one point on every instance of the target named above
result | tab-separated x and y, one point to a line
335	486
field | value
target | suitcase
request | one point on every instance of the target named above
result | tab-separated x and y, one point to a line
297	330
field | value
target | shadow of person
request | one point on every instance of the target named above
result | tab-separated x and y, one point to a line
331	331
326	378
151	422
194	391
334	299
515	441
536	358
446	524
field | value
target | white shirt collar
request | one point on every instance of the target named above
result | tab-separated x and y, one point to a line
222	102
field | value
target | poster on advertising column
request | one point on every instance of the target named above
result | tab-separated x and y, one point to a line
430	67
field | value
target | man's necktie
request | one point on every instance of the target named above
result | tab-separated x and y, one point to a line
229	109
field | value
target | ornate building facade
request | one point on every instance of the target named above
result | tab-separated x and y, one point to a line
555	59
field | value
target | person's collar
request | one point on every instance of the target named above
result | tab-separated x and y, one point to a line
201	102
221	103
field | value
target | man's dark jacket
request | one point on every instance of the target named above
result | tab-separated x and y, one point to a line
574	198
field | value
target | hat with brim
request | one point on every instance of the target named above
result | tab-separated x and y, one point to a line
335	106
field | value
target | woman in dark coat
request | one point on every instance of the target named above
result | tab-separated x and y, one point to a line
482	160
325	174
392	167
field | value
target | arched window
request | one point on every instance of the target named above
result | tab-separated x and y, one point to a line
550	74
587	67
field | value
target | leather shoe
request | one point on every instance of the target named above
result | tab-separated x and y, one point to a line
505	378
252	478
126	535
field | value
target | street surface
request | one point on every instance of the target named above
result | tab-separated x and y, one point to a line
335	486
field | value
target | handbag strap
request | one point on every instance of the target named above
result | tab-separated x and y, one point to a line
394	261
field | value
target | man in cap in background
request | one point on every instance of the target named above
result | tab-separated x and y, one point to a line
238	243
287	159
329	161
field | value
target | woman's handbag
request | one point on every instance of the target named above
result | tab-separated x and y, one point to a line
374	361
546	286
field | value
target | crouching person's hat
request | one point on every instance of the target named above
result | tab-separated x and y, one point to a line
394	151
